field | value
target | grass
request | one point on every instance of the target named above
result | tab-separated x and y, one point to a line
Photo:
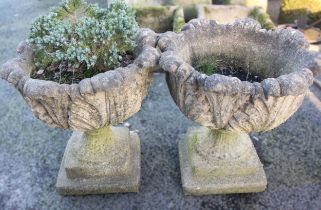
207	65
210	65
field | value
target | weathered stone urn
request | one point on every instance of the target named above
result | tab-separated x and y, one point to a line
219	157
99	158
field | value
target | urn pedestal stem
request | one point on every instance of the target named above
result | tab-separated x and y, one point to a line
106	160
219	162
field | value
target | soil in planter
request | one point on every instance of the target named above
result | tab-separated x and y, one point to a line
62	74
211	66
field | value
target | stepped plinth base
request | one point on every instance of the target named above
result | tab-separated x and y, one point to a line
99	162
213	162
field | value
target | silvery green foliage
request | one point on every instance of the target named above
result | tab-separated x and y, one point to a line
84	35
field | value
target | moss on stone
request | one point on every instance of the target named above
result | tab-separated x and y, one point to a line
97	140
179	20
292	10
263	18
191	142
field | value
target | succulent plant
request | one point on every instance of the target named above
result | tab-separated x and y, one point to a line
83	36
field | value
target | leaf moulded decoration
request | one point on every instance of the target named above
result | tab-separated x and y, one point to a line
224	102
105	99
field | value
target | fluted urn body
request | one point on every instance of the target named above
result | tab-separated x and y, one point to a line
230	107
105	99
99	158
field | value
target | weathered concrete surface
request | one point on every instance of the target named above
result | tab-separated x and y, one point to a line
31	152
214	162
219	161
105	99
100	162
226	103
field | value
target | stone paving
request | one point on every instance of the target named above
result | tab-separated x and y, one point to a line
30	151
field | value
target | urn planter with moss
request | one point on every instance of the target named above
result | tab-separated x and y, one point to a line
232	80
99	158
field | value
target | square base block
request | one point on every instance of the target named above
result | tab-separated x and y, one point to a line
218	184
98	184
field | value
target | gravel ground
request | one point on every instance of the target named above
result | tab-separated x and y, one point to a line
30	151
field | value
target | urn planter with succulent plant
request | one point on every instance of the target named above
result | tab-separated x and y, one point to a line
232	79
87	69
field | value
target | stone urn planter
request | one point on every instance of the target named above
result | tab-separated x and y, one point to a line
160	19
99	157
219	157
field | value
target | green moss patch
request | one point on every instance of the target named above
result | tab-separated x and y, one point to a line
179	20
263	18
211	65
